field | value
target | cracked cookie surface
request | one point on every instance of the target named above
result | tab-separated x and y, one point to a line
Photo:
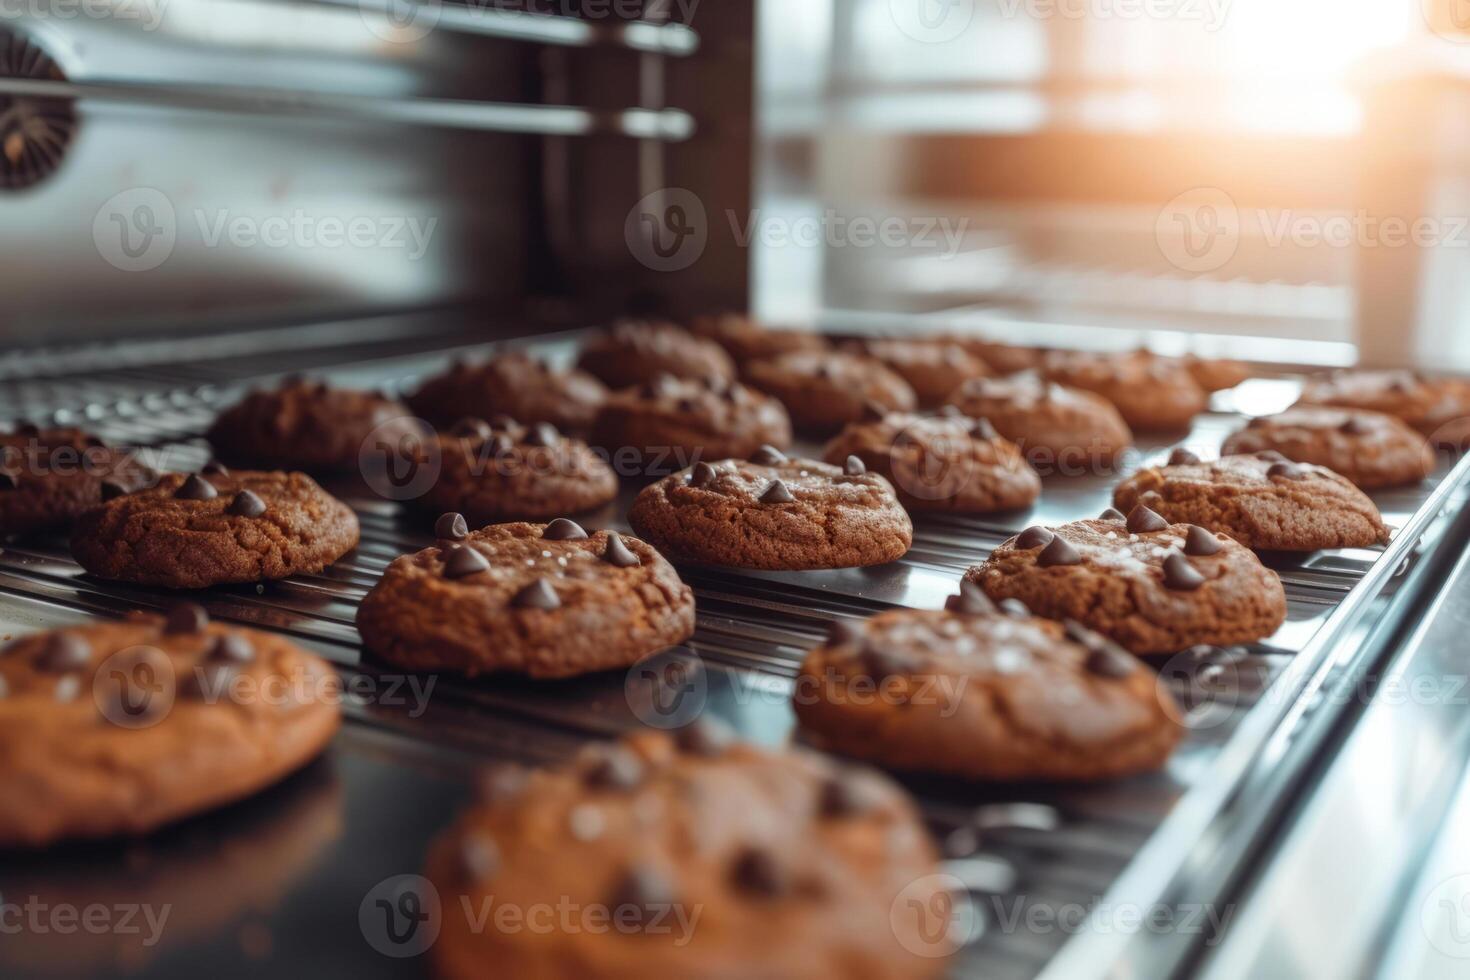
983	694
1151	591
120	728
192	531
1370	449
546	601
790	514
1060	429
1263	501
50	477
1151	393
1436	407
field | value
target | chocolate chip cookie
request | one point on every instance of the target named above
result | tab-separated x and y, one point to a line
670	424
1437	407
1152	586
1151	393
703	858
195	530
120	728
507	471
933	369
1060	430
825	391
774	513
49	477
1002	358
544	600
306	425
745	340
981	694
514	384
634	352
1370	449
939	463
1264	501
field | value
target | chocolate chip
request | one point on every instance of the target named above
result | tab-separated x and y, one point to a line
232	648
502	422
196	488
1144	520
9	481
768	456
451	527
1180	575
538	595
1355	426
854	466
1058	553
881	663
246	504
1015	608
686	405
705	737
562	529
982	429
27	429
777	493
1084	636
645	891
1112	514
463	561
543	434
614	768
479	858
63	653
845	631
111	490
215	468
702	475
501	445
874	411
1108	660
1287	471
846	796
1271	456
972	601
757	872
186	617
1183	457
1034	537
618	554
1199	543
472	429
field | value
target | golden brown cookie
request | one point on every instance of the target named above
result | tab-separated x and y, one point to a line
192	531
513	384
1214	373
671	424
120	728
1151	393
774	513
1264	501
1370	449
706	860
1002	358
933	369
980	694
745	340
634	352
1061	430
49	477
306	425
507	471
1437	407
543	600
1151	586
827	390
940	463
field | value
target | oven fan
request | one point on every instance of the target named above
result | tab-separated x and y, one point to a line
34	133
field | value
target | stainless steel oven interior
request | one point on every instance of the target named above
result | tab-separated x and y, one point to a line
1302	823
